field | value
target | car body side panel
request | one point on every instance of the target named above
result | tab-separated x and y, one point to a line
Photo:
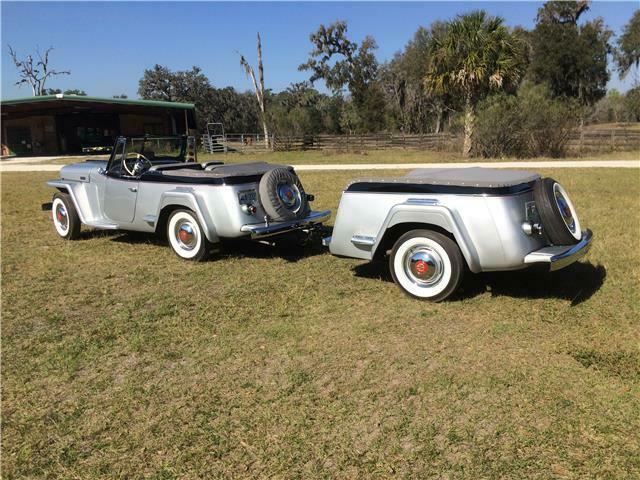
413	212
487	228
87	199
217	207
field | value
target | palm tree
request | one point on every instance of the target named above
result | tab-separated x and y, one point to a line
476	53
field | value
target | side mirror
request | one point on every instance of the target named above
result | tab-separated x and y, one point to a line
102	171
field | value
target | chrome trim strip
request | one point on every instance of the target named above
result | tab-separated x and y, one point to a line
150	219
560	256
326	241
363	240
422	201
262	230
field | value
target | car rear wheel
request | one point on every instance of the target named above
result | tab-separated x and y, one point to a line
426	265
186	236
65	216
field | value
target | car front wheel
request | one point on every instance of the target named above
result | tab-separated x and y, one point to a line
426	265
186	236
65	216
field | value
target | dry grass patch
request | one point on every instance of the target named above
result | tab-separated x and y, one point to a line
120	360
376	156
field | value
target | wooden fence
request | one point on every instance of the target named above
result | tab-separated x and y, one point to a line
587	141
369	141
591	141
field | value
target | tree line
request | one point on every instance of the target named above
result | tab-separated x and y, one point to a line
507	90
470	74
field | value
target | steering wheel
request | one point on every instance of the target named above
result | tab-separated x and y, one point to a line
139	166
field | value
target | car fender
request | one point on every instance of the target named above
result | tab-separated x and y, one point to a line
68	186
431	212
185	197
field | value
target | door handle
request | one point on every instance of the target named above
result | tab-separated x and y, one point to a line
133	189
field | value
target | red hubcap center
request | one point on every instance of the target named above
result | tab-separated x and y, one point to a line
421	267
184	235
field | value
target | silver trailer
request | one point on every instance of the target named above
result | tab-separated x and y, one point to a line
155	185
432	224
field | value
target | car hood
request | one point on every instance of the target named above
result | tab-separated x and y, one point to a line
81	172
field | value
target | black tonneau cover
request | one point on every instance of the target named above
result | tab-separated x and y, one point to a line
461	177
212	174
458	181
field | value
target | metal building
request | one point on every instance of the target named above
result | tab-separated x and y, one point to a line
70	124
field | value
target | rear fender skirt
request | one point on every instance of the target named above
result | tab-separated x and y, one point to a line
430	212
186	198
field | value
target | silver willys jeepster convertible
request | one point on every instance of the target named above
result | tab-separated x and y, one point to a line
433	223
154	184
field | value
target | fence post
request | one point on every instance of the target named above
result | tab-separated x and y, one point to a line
613	141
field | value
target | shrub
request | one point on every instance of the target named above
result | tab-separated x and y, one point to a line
529	124
499	129
632	105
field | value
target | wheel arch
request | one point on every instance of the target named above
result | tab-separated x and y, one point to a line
433	217
163	217
64	187
393	233
172	201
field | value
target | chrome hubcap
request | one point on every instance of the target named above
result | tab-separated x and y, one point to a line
290	196
423	266
186	234
61	216
564	208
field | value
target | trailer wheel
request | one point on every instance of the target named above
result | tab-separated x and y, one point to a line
426	265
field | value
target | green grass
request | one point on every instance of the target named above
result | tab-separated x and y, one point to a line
390	156
376	156
121	361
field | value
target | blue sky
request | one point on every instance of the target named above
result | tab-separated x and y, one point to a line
107	46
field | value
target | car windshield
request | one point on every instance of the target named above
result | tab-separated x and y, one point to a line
158	148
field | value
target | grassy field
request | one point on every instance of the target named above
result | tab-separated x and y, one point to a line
379	156
388	156
614	125
121	361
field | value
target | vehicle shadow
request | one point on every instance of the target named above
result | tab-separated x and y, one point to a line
575	283
288	250
287	247
92	234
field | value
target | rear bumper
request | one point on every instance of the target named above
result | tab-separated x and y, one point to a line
560	256
260	230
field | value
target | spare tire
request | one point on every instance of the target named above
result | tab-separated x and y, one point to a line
558	215
282	195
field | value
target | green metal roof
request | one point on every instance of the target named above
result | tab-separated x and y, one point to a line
84	98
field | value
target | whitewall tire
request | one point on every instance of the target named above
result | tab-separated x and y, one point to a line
426	265
65	217
186	236
559	217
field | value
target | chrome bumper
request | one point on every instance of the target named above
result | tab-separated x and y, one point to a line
560	256
267	229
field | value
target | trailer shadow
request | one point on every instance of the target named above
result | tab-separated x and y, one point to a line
576	283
